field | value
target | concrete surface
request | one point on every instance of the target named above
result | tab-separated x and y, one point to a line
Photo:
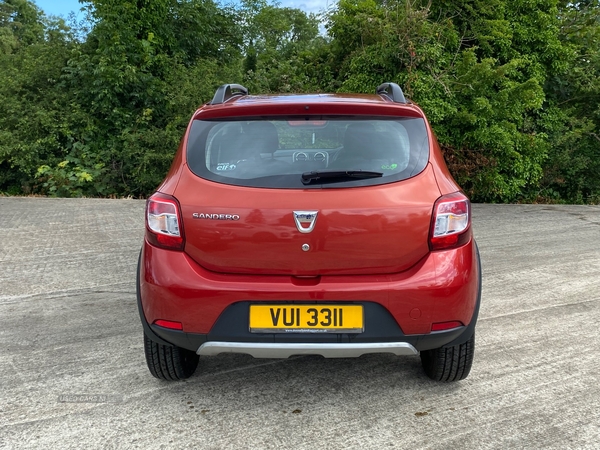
73	375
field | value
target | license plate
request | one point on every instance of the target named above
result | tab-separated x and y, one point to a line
306	318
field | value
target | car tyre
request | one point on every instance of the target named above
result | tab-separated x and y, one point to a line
449	363
169	362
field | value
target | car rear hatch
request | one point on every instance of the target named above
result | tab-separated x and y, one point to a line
307	196
368	230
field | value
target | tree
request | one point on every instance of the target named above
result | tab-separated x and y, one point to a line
478	69
123	77
510	87
34	129
572	172
276	42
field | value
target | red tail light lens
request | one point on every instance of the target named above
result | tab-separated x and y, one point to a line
442	326
169	324
451	222
163	222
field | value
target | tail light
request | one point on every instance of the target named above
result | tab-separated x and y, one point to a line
451	222
443	326
163	222
169	324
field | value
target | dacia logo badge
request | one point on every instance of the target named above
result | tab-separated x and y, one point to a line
305	220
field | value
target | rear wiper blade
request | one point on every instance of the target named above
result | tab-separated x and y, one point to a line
333	176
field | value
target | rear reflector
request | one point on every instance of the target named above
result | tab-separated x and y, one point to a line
163	222
451	222
169	324
446	325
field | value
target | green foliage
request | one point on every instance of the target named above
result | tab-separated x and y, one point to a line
98	109
34	128
478	69
573	119
278	45
492	106
126	76
21	23
69	179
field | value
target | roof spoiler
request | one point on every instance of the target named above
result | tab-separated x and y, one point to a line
392	91
227	91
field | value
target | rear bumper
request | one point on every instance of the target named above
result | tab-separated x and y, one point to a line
399	308
382	335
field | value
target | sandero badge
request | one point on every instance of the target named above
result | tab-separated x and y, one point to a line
280	232
216	216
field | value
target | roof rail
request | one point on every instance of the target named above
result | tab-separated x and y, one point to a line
227	91
392	91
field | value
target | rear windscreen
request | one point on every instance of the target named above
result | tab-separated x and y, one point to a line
305	153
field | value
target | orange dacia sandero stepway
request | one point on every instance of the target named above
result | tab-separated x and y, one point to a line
321	224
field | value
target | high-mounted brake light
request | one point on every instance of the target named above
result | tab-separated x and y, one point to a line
451	222
163	222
